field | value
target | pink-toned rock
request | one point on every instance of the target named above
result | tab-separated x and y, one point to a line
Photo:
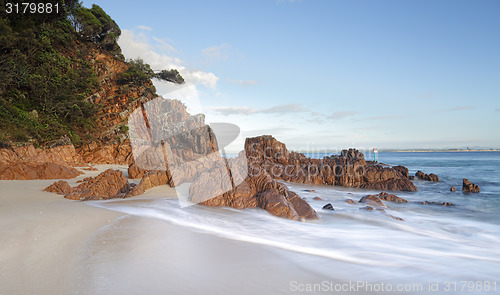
27	171
135	172
60	187
107	185
347	169
350	201
257	190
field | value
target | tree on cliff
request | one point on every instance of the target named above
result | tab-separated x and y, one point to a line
97	26
139	72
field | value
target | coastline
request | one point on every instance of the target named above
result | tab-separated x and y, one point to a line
51	245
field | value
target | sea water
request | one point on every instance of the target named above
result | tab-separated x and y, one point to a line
432	244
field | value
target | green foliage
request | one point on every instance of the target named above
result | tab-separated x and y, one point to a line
42	87
170	76
124	128
139	72
97	26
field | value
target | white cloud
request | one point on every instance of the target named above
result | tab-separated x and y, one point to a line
145	28
244	110
242	82
133	48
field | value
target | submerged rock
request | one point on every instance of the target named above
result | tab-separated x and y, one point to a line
391	198
367	208
470	187
373	200
328	207
445	204
350	201
317	199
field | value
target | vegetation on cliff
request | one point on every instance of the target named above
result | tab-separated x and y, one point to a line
47	74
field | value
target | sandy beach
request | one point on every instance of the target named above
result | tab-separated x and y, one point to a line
50	245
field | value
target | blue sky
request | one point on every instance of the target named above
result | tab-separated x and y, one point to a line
329	74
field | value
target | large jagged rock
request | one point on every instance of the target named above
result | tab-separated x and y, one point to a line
470	187
429	177
347	169
107	185
28	171
259	190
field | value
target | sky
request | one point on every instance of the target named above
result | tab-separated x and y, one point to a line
326	75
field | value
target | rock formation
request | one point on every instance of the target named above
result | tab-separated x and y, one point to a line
258	190
60	187
347	169
470	187
429	177
107	185
29	171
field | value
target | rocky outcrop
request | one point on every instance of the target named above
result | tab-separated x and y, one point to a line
29	171
60	187
348	169
429	177
453	189
469	187
107	185
258	190
402	169
62	155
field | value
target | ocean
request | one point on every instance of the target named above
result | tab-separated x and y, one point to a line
457	247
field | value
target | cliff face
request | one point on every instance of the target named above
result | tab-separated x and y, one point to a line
116	101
